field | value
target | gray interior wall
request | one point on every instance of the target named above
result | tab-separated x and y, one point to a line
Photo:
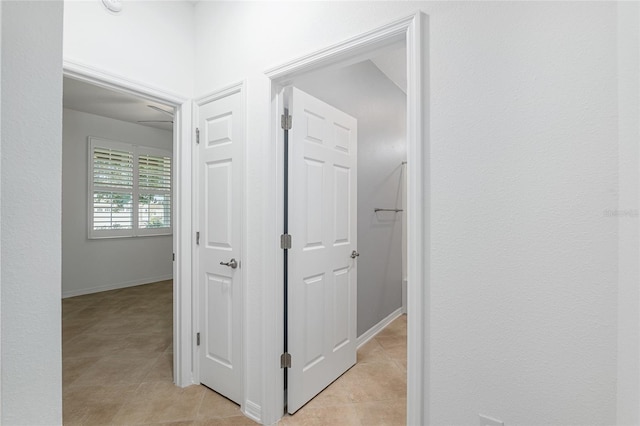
30	213
364	92
89	266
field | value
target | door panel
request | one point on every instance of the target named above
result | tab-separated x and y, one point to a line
220	192
219	324
322	274
218	213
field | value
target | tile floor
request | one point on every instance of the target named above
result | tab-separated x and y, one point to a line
117	362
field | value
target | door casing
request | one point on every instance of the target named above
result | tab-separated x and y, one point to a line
182	375
413	30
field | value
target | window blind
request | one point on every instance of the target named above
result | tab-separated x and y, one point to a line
129	190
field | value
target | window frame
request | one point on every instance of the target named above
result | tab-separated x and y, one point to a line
136	150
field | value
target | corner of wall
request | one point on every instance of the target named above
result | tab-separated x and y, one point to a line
31	110
628	369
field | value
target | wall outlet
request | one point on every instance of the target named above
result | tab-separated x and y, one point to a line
489	421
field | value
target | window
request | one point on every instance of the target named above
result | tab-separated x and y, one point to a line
129	190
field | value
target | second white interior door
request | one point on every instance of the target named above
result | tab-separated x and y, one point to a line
323	258
219	275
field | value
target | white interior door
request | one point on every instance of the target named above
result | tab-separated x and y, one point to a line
323	258
220	195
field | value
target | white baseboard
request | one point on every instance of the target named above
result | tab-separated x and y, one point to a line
253	411
371	333
80	292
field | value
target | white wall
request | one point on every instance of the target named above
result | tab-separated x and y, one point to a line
30	213
149	41
628	215
0	208
365	93
95	265
523	162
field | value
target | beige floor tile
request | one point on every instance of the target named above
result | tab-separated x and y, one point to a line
385	413
397	328
388	342
375	382
72	368
337	393
94	405
372	351
146	344
160	326
402	364
119	325
216	406
161	402
240	420
161	369
118	358
397	353
87	345
75	327
115	370
340	415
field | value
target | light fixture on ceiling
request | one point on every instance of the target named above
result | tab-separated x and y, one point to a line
113	6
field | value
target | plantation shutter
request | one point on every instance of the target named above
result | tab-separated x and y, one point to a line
112	185
154	191
129	190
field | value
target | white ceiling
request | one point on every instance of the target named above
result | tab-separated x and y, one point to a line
393	64
85	97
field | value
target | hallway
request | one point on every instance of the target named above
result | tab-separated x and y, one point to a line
117	361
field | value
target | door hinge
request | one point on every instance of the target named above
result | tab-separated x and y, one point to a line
198	238
286	121
197	135
285	360
285	241
198	339
174	257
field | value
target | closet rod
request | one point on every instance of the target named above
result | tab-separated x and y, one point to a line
376	209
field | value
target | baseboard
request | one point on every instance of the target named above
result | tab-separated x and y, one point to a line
371	333
253	411
80	292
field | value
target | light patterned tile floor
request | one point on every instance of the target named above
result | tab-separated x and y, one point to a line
117	362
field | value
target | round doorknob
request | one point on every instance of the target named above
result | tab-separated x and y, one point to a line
354	254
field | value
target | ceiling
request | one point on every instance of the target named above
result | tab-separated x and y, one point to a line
393	64
85	97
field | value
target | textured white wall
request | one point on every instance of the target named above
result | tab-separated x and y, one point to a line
524	160
149	41
1	130
95	265
30	212
365	93
628	214
524	268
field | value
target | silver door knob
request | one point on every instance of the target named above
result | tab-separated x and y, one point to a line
354	254
233	264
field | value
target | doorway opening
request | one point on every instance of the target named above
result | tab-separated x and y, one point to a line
155	208
348	150
117	241
412	31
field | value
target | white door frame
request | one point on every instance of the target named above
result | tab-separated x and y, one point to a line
414	31
182	354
